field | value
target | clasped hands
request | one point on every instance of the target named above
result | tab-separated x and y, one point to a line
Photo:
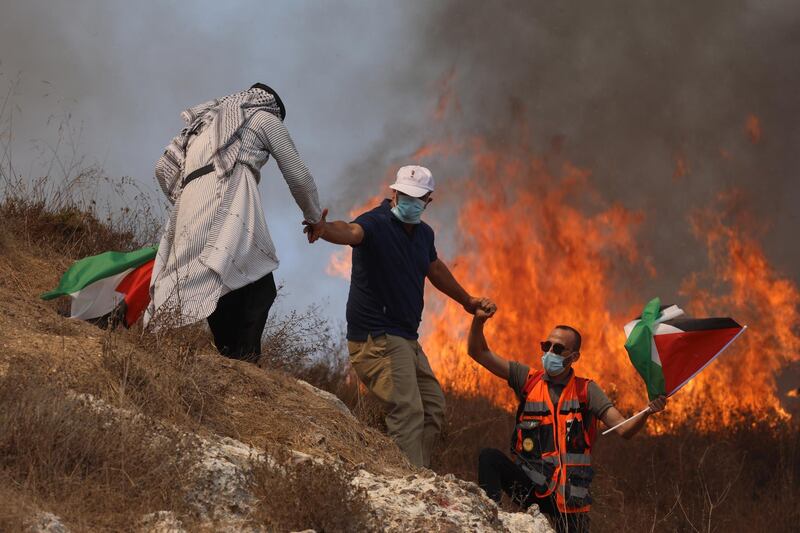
314	231
483	308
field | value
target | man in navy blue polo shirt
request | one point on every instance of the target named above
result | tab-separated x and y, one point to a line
393	253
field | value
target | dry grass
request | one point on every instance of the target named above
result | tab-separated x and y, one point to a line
305	494
16	510
165	377
175	375
305	345
744	478
71	219
93	468
472	423
99	475
364	405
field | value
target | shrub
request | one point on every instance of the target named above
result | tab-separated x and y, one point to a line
301	493
163	375
86	464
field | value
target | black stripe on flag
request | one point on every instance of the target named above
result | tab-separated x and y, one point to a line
699	324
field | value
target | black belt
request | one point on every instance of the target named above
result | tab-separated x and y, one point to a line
202	171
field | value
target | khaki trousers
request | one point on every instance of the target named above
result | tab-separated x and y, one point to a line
396	370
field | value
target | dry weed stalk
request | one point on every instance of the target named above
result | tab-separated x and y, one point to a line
303	493
88	464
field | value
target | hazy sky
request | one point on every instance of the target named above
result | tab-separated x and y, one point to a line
125	70
628	85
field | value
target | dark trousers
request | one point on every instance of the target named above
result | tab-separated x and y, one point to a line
498	473
238	321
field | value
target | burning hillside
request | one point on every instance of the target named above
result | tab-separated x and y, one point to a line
546	261
550	248
541	237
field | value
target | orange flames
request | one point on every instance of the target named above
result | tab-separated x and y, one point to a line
755	294
526	244
753	128
547	248
681	167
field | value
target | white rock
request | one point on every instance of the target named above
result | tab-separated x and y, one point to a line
221	494
45	522
162	522
334	400
531	522
221	488
429	502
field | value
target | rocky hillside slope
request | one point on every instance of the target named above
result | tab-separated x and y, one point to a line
126	430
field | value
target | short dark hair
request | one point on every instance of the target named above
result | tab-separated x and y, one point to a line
575	333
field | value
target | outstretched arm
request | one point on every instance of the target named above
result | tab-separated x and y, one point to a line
478	348
612	417
443	279
336	232
301	184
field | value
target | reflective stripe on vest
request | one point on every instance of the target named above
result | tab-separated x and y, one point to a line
536	407
536	477
576	458
579	492
570	405
571	471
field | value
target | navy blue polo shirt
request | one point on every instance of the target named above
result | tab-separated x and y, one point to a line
387	283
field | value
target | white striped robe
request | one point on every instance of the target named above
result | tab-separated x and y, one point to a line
216	239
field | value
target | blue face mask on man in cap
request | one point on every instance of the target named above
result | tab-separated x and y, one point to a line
409	209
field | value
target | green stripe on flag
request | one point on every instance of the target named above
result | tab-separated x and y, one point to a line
90	269
639	347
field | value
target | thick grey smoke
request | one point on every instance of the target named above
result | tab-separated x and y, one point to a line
624	88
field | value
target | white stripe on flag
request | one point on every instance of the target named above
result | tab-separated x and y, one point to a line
666	329
98	298
654	352
673	311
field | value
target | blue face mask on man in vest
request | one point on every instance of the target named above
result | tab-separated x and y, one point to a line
556	357
554	364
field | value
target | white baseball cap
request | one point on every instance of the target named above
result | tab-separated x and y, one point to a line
413	180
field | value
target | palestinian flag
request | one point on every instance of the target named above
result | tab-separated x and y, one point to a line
100	283
668	349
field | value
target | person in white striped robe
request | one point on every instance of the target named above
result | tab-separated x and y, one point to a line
216	258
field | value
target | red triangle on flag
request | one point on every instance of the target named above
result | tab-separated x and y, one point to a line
685	353
136	288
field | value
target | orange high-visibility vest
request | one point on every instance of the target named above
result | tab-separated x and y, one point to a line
556	451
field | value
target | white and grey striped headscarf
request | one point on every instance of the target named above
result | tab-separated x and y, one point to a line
228	115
